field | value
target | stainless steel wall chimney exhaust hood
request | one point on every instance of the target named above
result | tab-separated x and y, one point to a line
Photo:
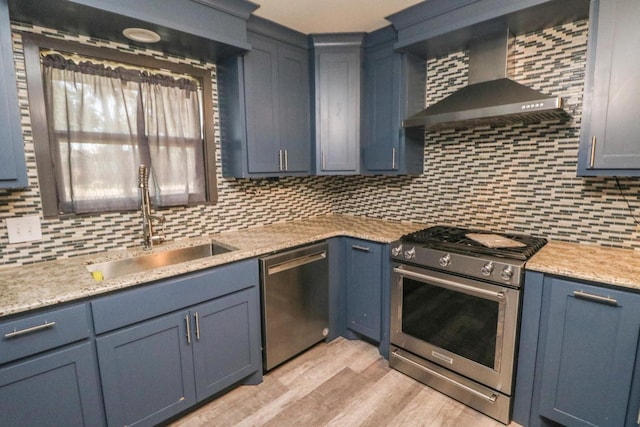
490	98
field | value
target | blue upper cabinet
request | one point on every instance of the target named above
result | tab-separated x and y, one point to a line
202	29
13	168
265	105
436	27
338	77
394	89
610	134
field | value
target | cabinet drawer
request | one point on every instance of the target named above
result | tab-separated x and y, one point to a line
135	305
32	334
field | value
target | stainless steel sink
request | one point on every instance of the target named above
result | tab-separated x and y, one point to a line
137	264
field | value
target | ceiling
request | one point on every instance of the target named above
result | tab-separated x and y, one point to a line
331	16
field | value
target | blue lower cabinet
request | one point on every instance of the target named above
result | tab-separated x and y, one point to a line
147	371
227	341
156	369
364	287
56	388
589	356
585	373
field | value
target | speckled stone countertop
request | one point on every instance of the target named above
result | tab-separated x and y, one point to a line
44	284
609	266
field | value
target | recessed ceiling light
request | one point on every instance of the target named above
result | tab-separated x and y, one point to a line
141	35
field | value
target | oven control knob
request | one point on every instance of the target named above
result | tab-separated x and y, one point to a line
487	269
507	272
410	254
445	260
396	251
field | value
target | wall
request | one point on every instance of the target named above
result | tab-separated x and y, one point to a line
242	203
517	178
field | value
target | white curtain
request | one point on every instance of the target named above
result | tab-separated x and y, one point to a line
105	121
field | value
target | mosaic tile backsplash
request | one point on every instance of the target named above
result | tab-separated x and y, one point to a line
517	178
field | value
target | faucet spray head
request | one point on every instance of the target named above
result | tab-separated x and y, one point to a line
143	177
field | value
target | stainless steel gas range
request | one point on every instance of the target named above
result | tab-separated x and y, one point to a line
455	302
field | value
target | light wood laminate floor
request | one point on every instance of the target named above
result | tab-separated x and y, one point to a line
342	383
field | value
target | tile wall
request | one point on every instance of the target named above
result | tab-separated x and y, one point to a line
517	178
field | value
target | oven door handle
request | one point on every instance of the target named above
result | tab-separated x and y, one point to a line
449	283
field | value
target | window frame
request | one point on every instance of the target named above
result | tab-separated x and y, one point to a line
33	43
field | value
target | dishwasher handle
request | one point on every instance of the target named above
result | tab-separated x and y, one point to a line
296	262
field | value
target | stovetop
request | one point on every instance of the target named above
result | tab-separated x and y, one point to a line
453	239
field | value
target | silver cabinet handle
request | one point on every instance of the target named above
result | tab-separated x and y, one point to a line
595	298
360	248
324	160
188	322
592	157
286	160
393	158
45	325
197	319
280	160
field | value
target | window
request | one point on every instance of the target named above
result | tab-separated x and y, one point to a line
105	117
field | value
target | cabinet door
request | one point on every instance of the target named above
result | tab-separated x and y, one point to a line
147	371
589	354
382	124
364	287
338	111
294	108
610	138
13	169
227	341
57	388
395	89
261	91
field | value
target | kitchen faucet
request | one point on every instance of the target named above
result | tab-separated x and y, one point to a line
148	226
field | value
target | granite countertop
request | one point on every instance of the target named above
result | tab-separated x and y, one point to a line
609	266
44	284
39	285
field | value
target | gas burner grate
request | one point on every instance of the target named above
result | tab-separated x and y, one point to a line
453	239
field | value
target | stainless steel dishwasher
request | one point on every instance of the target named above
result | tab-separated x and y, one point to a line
295	305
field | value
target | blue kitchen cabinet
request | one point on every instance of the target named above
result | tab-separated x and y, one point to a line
589	355
13	167
363	284
147	371
158	355
366	291
265	105
436	27
227	341
395	86
582	373
338	80
48	370
610	131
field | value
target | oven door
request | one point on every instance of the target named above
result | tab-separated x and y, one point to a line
462	324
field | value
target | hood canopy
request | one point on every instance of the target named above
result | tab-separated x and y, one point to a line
491	98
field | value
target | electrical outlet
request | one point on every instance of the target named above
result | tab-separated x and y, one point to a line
24	229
